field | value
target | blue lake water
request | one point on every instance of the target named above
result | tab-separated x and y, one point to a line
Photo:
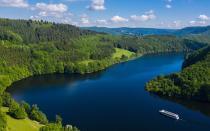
114	99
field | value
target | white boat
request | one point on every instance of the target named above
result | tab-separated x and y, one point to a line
169	114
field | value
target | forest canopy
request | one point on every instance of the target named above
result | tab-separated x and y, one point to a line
192	82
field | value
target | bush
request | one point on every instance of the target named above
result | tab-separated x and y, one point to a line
26	106
58	120
16	111
19	113
37	115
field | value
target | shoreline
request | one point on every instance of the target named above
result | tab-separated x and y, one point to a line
96	71
75	73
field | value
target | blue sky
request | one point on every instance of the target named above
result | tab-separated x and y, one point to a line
112	13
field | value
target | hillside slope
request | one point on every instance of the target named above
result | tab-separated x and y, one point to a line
192	30
202	37
20	125
192	82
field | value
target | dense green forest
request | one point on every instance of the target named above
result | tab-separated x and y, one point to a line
29	48
192	82
157	44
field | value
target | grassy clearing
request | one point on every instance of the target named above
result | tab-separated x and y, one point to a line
117	55
85	62
120	52
20	125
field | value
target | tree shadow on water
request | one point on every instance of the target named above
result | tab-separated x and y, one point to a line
47	81
199	106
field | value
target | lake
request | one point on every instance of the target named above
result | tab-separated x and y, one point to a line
114	99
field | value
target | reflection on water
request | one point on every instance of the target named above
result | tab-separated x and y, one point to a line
202	107
54	79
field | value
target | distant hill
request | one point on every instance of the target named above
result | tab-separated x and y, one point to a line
131	31
192	30
150	31
202	37
200	34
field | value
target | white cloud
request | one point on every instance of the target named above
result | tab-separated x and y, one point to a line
200	21
43	13
55	10
97	5
118	19
52	7
192	22
52	12
150	15
14	3
84	19
203	17
168	6
177	24
197	23
101	22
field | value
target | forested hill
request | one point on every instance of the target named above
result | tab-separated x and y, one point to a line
201	37
192	30
29	31
201	34
192	82
196	56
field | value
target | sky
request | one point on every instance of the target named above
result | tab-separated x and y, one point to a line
111	13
